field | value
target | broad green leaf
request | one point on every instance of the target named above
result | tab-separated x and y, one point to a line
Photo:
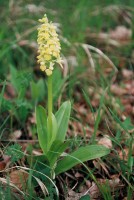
52	136
81	155
62	116
41	119
56	150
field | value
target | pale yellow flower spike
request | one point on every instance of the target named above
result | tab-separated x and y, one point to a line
48	46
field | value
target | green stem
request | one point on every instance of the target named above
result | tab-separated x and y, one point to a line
50	100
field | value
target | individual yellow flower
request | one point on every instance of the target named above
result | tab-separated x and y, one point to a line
52	47
48	46
48	51
46	35
48	72
51	67
43	67
47	57
55	54
49	42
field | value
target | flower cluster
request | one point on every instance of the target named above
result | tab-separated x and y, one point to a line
48	46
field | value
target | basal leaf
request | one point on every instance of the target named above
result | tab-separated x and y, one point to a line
81	155
41	119
62	117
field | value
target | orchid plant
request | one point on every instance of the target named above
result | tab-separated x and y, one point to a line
52	128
